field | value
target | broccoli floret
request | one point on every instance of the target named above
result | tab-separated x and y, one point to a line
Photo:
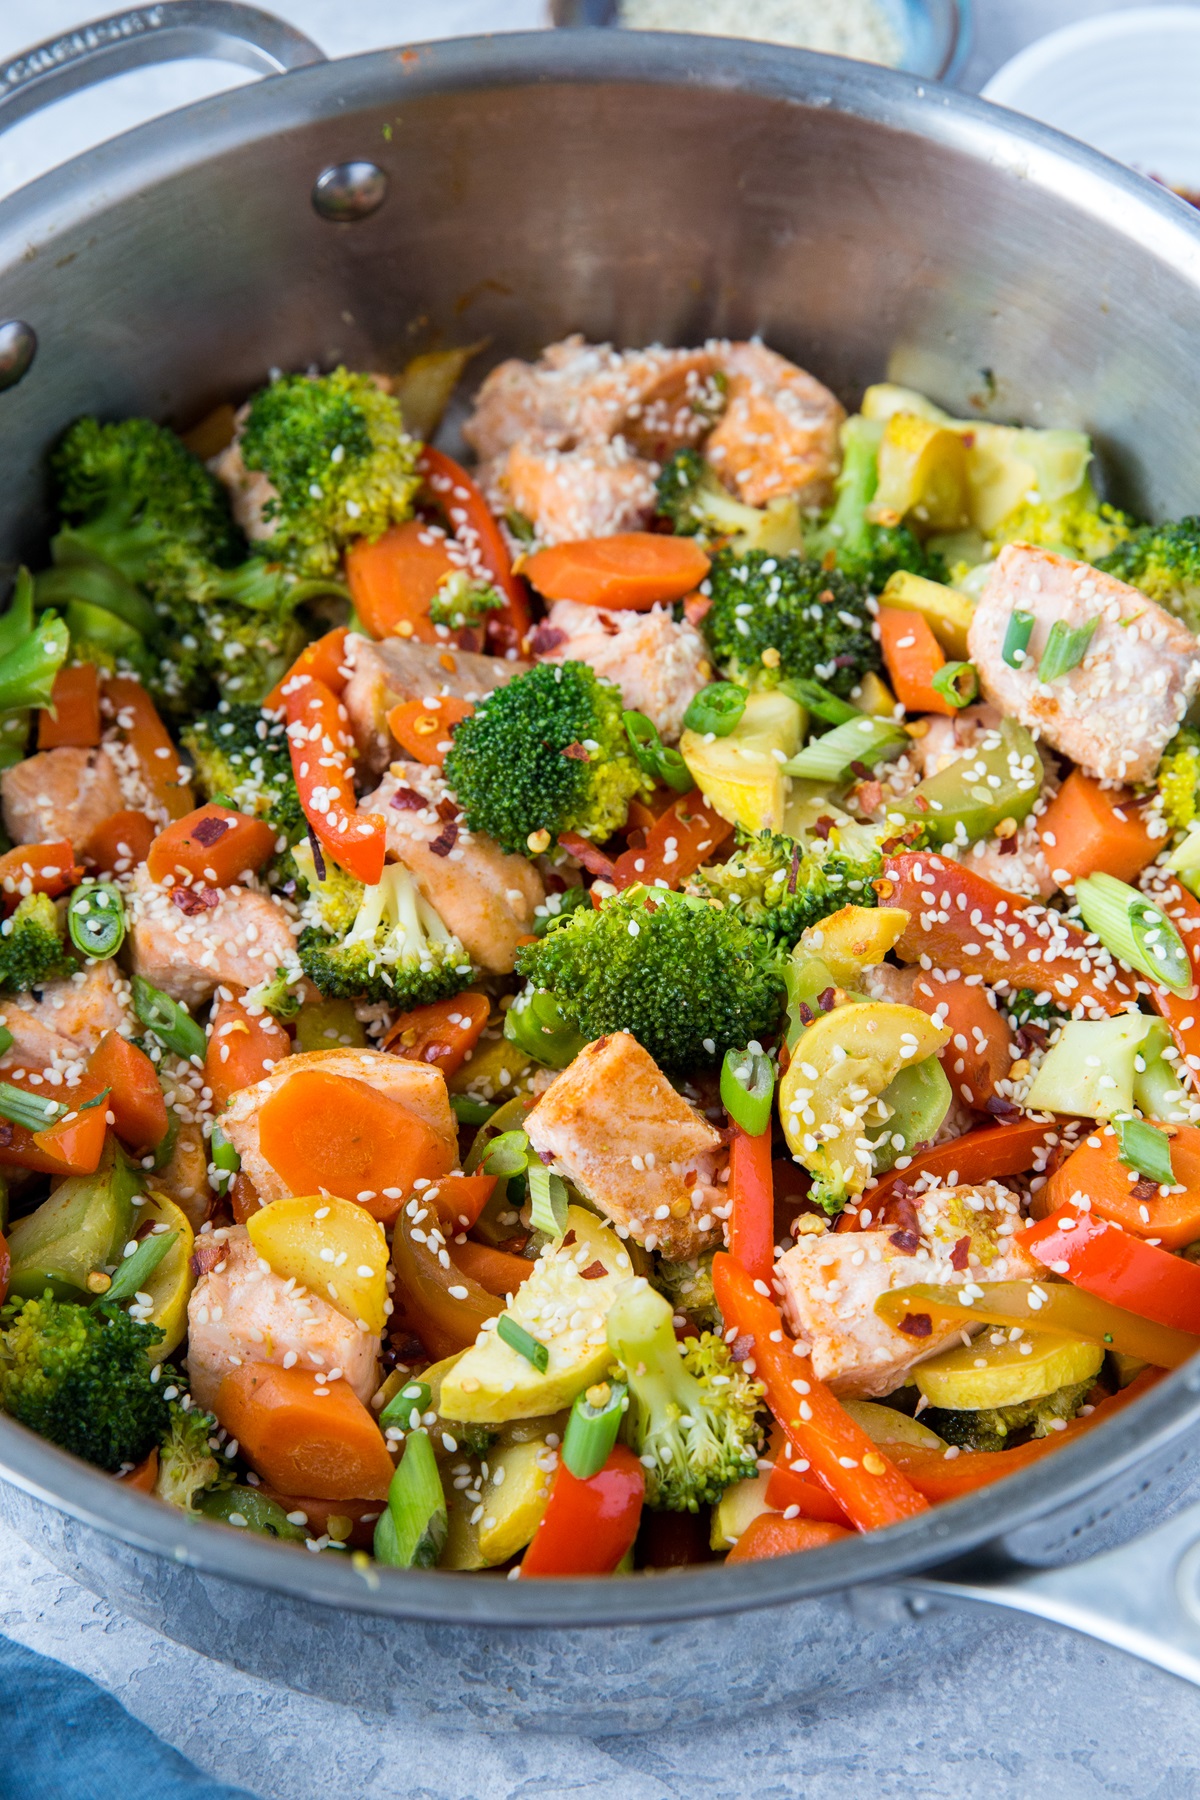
545	752
1079	526
238	751
867	553
689	1288
996	1427
781	888
687	979
816	620
396	950
1164	562
80	1376
694	499
33	946
335	450
133	488
1028	1007
1178	779
187	1464
463	600
693	1411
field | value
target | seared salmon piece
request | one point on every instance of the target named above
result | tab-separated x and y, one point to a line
399	669
415	1086
63	793
614	1125
484	896
1114	712
593	491
242	937
242	1312
65	1020
659	664
779	432
185	1177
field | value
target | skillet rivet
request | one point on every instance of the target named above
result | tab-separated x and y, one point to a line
18	347
346	192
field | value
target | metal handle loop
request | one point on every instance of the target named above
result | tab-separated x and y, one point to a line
168	32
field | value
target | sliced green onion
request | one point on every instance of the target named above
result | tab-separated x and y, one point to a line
96	919
1143	1147
592	1429
537	1024
1158	1092
30	1111
653	756
818	700
716	708
506	1155
168	1020
225	1160
518	1339
6	1040
406	1407
747	1089
1135	930
1065	649
957	682
1016	639
134	1271
861	739
411	1533
247	1510
547	1200
96	1100
472	1112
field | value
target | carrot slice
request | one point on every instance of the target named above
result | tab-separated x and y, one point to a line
242	1048
1088	830
135	1097
335	1132
444	1033
324	660
1094	1169
321	747
772	1535
120	843
980	1052
496	1271
215	846
913	657
427	732
75	1143
630	572
461	1198
37	869
677	843
304	1439
146	735
394	577
144	1476
470	516
73	716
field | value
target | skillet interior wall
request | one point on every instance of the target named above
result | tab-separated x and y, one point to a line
627	211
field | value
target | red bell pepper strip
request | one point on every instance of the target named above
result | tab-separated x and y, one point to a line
961	920
676	844
324	660
770	1535
1182	1015
1112	1264
135	1097
751	1195
37	869
786	1489
73	1146
866	1485
588	1526
471	518
587	855
138	721
984	1155
443	1033
321	748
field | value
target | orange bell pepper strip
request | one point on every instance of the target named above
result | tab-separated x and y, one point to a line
1180	1014
1105	1261
984	1155
120	843
324	659
461	1198
913	657
73	716
588	1526
982	929
676	844
1172	1220
427	732
321	748
37	869
980	1053
304	1436
772	1535
332	1131
136	715
497	1271
443	1034
445	1322
135	1096
751	1195
629	572
242	1048
866	1485
5	1268
462	501
1092	830
76	1143
215	846
394	577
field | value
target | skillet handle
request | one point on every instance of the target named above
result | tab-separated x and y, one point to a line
1143	1597
174	30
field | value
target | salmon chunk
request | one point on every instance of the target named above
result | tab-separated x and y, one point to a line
486	897
1115	710
384	674
243	938
593	491
658	664
415	1086
63	1021
242	1312
779	432
829	1284
63	793
613	1124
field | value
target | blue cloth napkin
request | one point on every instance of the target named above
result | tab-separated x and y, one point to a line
63	1738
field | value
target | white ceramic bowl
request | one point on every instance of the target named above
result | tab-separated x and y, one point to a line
1127	83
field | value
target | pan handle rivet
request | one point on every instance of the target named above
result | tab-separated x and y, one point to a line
345	192
18	347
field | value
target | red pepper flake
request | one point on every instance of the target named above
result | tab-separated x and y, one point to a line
806	1013
827	596
195	900
1008	846
318	854
650	906
569	1239
6	1132
206	831
920	802
1144	1189
742	1346
907	1241
609	626
793	869
595	1271
917	1325
1000	1108
576	753
824	826
826	999
861	770
406	799
545	639
205	1258
445	840
960	1254
446	810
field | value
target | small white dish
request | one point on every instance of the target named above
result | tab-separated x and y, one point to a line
1128	83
